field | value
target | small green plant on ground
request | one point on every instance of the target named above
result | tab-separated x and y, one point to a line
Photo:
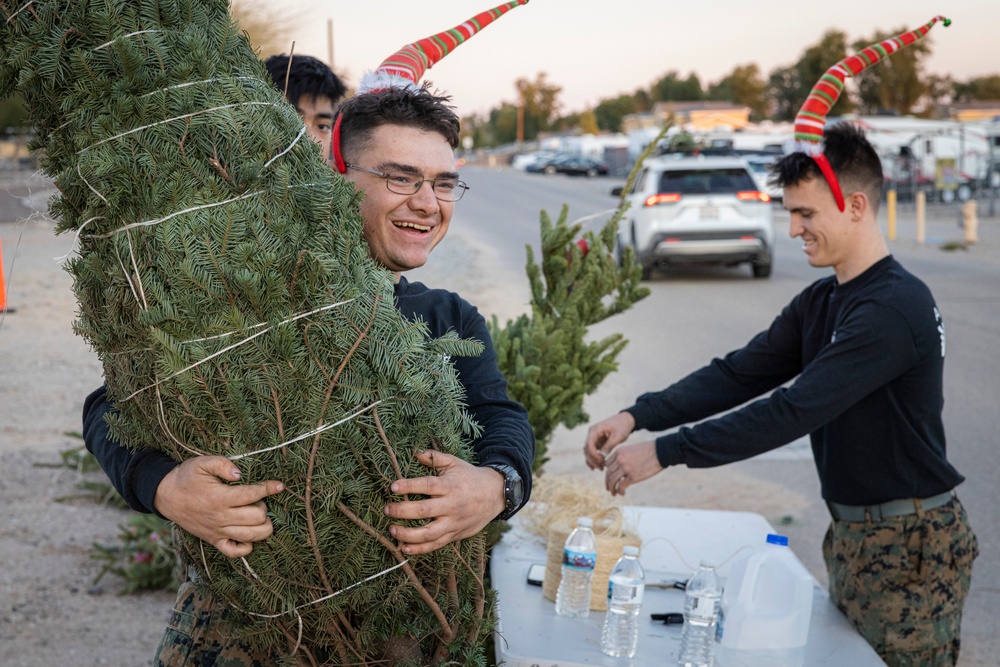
145	556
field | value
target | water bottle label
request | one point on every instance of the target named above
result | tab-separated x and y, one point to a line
624	593
579	560
703	606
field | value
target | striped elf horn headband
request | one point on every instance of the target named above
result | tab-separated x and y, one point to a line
404	68
811	119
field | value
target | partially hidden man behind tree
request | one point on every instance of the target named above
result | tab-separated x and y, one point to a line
865	348
313	89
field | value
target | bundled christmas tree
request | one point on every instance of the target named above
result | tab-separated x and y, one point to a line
223	280
546	356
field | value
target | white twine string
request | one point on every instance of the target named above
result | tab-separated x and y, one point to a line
264	324
131	34
149	223
182	117
128	277
76	239
587	218
249	569
290	147
332	595
321	429
80	174
135	268
235	345
11	18
195	83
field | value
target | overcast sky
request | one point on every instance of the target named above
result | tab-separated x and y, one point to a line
598	49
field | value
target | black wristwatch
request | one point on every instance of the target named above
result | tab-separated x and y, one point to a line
513	489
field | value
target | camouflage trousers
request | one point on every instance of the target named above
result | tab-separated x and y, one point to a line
902	582
196	635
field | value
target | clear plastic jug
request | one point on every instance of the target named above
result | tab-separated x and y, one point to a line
766	608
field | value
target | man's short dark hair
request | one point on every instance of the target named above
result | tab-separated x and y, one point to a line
408	107
852	157
307	76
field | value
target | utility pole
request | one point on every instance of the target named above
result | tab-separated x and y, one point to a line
992	135
329	41
520	118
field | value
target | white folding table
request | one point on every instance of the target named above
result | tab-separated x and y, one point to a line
529	634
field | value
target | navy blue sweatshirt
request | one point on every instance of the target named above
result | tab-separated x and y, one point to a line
867	358
507	437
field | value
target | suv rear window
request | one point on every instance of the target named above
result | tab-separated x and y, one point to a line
706	181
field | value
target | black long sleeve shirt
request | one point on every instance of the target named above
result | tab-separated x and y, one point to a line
506	438
867	357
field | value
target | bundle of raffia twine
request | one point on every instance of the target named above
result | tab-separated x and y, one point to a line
556	503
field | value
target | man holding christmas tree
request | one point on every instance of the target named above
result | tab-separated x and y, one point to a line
865	348
313	89
397	145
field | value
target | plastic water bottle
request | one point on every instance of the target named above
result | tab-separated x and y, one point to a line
579	558
701	616
625	589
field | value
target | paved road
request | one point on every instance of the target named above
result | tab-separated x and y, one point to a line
695	314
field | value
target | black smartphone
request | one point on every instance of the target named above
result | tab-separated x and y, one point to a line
536	574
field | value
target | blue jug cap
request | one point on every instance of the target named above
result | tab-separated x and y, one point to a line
780	540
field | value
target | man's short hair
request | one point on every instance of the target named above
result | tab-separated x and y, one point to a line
408	107
307	76
852	157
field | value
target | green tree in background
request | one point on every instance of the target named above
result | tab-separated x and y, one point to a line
978	88
893	84
783	86
671	88
744	85
788	87
540	99
610	112
587	122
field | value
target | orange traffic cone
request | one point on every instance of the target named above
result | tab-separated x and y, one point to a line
3	286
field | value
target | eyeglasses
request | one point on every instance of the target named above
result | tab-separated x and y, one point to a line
445	189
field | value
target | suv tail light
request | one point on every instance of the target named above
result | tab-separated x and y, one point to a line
663	198
752	195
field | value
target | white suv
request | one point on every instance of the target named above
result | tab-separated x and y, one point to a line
698	210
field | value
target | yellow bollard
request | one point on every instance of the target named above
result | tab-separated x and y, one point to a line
921	216
970	222
890	206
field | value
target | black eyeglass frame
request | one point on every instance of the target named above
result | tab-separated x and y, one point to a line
459	190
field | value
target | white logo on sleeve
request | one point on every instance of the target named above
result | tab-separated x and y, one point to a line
940	328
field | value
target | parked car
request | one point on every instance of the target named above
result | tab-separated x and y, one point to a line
698	210
760	169
524	160
578	166
543	165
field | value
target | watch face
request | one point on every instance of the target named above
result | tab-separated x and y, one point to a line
516	491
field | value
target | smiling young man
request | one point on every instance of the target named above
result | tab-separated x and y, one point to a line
865	348
399	144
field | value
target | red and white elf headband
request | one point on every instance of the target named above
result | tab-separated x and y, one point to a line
811	119
404	68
